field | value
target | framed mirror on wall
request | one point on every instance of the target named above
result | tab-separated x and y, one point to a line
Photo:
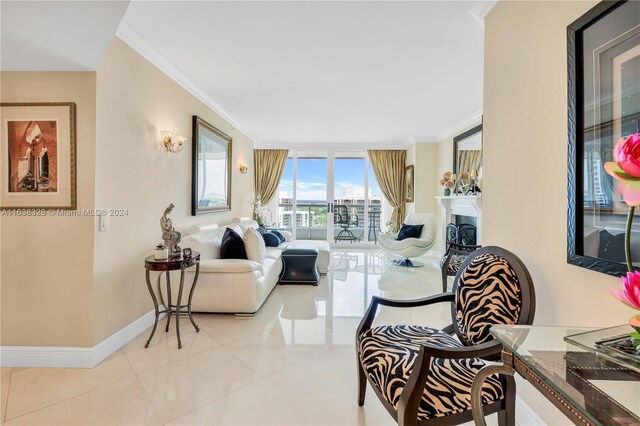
467	152
604	106
211	169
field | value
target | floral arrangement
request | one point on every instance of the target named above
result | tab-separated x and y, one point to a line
447	182
626	170
391	226
256	203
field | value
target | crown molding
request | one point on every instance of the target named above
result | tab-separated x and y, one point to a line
338	146
481	9
472	119
140	45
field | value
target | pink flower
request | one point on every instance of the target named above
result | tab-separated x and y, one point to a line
626	168
627	154
630	293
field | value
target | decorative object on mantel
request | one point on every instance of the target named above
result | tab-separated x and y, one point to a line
172	141
474	182
603	52
448	181
170	236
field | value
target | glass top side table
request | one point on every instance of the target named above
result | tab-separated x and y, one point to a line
177	309
587	388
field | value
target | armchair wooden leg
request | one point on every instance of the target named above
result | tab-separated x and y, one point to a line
362	383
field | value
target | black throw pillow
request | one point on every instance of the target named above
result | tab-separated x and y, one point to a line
611	246
270	239
409	231
232	246
279	235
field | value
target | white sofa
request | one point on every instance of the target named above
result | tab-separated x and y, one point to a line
234	285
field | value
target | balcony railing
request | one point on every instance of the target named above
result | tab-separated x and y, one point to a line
311	220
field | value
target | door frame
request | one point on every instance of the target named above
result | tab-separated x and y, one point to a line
330	194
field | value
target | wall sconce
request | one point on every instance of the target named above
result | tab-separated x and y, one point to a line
172	141
244	168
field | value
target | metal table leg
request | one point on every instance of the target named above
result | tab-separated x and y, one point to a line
179	307
155	307
193	286
169	300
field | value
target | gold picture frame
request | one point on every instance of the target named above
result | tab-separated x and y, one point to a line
410	184
211	169
38	155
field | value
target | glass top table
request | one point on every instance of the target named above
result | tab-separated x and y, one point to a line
590	389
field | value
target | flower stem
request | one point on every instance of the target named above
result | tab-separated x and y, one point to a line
627	238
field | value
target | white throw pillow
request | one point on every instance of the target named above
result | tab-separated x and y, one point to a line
254	245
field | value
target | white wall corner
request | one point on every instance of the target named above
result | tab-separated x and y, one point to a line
481	9
140	45
525	416
63	357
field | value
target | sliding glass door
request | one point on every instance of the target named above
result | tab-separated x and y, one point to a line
329	195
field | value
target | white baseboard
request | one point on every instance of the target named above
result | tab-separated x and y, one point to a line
525	416
70	357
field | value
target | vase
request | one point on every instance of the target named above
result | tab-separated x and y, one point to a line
447	192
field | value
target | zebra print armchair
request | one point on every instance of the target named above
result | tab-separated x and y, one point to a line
424	375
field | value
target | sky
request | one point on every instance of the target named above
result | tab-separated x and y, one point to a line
312	179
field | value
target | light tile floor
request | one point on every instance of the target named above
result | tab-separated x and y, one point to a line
291	364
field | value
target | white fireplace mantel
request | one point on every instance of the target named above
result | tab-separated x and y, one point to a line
461	205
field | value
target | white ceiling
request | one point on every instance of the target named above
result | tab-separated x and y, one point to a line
322	72
285	73
57	35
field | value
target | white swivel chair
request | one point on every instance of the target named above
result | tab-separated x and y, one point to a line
412	247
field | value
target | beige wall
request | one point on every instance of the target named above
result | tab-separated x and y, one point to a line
47	262
134	100
424	157
525	164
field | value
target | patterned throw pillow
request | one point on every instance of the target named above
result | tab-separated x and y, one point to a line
409	231
232	246
271	239
279	235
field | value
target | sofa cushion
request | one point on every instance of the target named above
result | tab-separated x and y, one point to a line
281	238
208	244
409	231
254	245
271	240
248	224
236	228
232	246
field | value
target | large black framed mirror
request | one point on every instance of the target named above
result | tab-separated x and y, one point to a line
603	52
211	169
467	151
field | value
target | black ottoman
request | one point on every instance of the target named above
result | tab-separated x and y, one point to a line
299	266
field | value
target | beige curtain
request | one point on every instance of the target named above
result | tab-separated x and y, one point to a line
268	165
470	160
389	168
